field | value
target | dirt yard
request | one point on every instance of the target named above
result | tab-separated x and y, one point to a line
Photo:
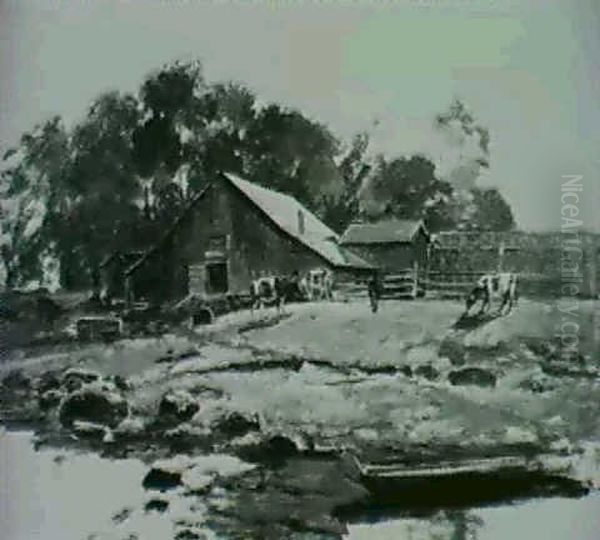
321	380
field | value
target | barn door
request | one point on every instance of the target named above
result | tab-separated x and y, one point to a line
216	278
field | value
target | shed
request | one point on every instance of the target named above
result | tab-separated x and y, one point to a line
393	245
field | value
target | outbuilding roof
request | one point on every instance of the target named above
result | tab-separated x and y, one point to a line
382	232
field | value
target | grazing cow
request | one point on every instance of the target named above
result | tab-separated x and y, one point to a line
502	286
320	284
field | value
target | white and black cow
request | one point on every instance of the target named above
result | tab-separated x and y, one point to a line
266	291
500	286
319	283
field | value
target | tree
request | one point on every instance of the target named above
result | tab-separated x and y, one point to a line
290	153
491	212
103	188
168	98
354	167
405	188
32	188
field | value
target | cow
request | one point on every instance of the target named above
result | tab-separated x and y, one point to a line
501	286
277	291
319	284
266	291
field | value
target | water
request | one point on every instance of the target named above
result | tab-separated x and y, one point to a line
64	495
547	519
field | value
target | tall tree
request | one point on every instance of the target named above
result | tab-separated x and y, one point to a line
491	211
104	191
354	167
32	187
291	153
405	188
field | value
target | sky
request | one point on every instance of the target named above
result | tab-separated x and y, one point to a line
528	70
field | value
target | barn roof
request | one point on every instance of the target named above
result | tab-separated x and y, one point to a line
383	232
283	211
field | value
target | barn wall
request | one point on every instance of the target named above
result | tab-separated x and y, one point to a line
254	245
389	257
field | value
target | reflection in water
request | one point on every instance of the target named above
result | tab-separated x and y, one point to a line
62	495
547	519
466	525
444	525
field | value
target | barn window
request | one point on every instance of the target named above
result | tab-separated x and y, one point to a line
217	243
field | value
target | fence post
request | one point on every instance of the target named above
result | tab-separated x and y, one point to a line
415	279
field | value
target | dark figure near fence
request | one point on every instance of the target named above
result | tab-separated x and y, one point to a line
374	293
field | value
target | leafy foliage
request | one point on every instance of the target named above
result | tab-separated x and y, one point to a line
126	171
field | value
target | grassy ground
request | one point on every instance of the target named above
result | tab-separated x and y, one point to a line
335	375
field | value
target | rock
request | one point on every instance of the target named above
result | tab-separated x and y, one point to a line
49	399
538	383
89	430
122	515
75	378
121	383
177	406
197	481
428	372
235	424
272	449
188	534
16	380
472	376
406	370
453	350
98	404
158	505
161	479
131	426
48	381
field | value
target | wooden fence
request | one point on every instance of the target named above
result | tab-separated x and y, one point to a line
455	285
404	284
450	285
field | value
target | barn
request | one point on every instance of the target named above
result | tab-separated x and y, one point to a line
395	246
231	233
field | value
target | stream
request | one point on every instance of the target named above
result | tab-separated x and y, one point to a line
63	494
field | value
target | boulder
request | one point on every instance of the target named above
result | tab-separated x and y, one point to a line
188	534
89	430
121	383
236	424
428	372
75	378
161	479
16	380
274	449
538	383
157	505
49	399
452	349
472	376
178	406
98	404
48	381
